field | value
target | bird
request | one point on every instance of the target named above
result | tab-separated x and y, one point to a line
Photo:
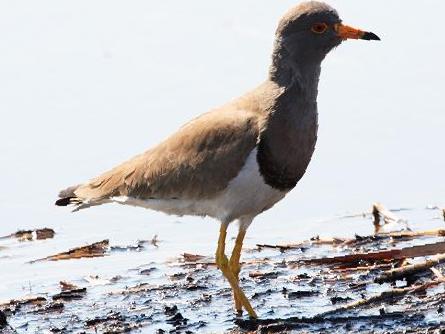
238	160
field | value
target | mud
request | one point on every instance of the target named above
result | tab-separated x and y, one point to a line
290	290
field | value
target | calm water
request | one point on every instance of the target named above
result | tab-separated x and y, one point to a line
84	85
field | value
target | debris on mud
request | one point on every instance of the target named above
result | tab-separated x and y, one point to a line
28	235
68	295
139	246
187	257
387	281
97	249
14	304
386	221
3	320
155	241
263	275
67	286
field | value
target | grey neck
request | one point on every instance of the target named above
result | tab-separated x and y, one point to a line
287	142
300	69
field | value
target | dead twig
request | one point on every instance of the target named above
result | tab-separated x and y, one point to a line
382	217
27	300
361	240
313	241
393	235
28	235
409	270
187	257
358	239
393	254
154	241
143	287
263	275
67	295
280	247
364	268
66	286
97	249
413	234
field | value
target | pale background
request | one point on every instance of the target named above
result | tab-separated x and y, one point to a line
87	84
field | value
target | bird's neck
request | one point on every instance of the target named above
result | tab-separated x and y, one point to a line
288	139
300	69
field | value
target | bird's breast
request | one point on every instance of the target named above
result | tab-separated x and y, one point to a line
285	149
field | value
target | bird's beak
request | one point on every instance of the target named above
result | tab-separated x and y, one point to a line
345	32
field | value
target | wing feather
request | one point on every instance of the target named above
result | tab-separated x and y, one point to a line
196	162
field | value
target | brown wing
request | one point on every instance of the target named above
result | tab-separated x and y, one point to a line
198	161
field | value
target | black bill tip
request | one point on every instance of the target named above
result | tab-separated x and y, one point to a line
370	36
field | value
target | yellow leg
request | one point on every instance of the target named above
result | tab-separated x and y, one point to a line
235	265
223	264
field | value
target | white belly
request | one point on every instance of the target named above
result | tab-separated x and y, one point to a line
246	195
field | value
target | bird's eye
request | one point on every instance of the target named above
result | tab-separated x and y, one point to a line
319	28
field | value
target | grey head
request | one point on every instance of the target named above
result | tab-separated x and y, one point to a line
306	34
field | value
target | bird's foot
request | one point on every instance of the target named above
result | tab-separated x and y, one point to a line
240	298
235	268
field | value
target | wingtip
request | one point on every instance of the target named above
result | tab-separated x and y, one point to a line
64	201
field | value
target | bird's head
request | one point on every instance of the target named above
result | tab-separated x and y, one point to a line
307	32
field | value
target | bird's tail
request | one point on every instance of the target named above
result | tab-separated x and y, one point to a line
68	197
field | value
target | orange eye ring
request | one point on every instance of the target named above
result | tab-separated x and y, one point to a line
319	28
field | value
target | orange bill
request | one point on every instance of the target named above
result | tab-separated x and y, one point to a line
347	32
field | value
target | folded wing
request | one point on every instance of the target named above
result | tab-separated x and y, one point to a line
196	162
